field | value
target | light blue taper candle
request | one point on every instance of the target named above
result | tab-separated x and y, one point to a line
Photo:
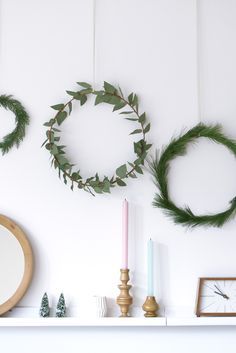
150	290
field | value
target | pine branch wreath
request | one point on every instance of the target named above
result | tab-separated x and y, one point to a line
15	137
113	96
160	168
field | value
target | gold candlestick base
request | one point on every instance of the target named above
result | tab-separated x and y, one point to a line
124	300
150	306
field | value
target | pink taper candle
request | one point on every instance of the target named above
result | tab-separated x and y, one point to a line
125	235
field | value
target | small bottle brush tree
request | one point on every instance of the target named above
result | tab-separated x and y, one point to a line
61	307
44	308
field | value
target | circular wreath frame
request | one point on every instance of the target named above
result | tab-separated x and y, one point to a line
110	95
160	168
15	137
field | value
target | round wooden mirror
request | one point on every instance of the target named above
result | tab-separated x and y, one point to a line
16	264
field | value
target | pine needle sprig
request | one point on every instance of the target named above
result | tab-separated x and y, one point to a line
160	168
15	137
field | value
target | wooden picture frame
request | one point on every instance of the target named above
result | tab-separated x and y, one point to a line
28	263
199	292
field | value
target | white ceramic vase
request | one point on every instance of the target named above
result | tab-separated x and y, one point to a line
100	304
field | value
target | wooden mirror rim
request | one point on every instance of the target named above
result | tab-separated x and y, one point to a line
28	263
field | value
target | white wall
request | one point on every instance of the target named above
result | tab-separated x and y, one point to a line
148	47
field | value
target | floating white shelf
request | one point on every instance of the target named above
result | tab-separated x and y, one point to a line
180	316
118	322
78	322
201	321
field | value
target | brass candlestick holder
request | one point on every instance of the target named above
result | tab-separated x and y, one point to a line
124	300
150	306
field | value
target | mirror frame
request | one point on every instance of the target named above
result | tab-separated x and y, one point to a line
28	267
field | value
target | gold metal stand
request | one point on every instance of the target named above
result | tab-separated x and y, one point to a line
124	300
150	306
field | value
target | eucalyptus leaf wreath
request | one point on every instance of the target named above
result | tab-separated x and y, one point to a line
160	168
15	137
113	96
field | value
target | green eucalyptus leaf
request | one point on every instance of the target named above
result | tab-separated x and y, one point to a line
98	93
48	146
70	107
120	182
131	164
85	91
71	93
57	106
93	182
49	133
78	96
106	187
75	95
135	100
61	117
107	98
130	112
84	84
142	118
54	150
121	171
132	119
137	148
109	88
66	166
75	176
138	169
119	106
147	128
64	177
97	189
83	100
148	146
137	131
130	98
133	175
50	122
121	93
143	156
61	159
98	100
52	137
114	100
138	161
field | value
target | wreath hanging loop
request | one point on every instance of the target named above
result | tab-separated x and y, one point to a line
160	167
15	137
113	96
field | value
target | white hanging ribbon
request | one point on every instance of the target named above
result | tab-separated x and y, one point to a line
94	43
198	73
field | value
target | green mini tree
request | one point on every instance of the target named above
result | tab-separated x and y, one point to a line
44	310
61	307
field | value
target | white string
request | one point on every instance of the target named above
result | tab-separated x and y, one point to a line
94	43
198	74
1	42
